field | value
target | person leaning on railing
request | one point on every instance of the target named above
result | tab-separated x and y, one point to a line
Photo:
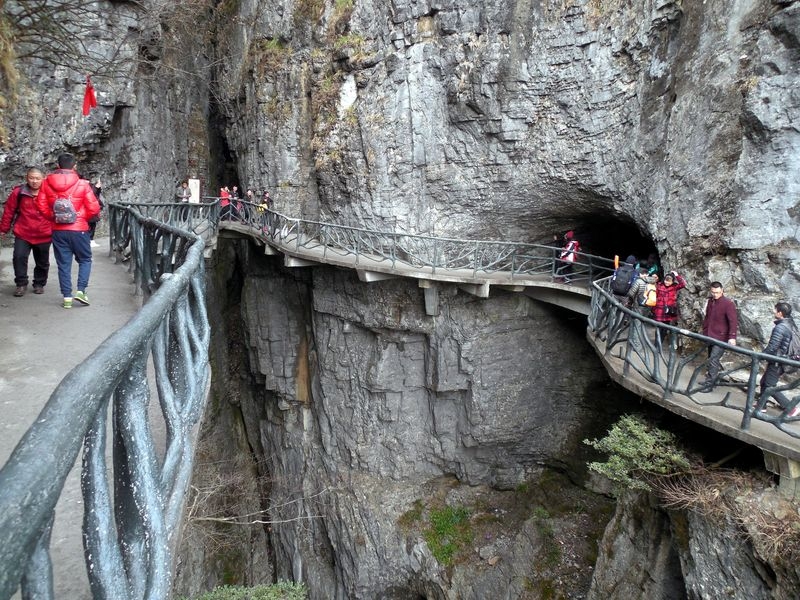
720	323
778	345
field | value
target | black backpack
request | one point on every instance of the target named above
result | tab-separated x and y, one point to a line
622	279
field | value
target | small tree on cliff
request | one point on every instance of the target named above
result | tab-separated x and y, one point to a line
638	453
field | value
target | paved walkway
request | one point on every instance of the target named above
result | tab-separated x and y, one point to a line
725	420
41	342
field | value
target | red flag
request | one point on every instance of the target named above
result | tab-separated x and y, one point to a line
89	97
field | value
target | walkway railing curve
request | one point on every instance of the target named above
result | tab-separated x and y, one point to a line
133	508
663	355
426	253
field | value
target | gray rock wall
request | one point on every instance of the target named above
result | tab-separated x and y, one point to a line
513	121
149	69
360	402
648	552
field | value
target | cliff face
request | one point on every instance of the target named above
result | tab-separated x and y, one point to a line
363	414
670	120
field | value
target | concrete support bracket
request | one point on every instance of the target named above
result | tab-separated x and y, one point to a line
431	301
789	472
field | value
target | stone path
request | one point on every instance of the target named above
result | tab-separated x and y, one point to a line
41	342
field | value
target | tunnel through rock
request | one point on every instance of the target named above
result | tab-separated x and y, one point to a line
605	234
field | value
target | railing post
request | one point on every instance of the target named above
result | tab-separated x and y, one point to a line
475	260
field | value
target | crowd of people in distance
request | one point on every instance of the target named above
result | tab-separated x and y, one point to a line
231	205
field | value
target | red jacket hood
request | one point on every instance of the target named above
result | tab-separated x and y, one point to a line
62	180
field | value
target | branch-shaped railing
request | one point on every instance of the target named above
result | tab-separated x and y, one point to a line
658	353
425	253
132	512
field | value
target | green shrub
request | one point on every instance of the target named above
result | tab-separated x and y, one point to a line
283	590
637	451
448	532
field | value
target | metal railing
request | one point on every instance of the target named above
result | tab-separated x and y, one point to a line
133	509
660	354
425	253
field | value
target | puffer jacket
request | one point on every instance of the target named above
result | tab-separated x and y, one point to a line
30	225
780	338
63	183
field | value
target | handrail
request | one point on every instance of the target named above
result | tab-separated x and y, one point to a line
654	350
128	538
423	252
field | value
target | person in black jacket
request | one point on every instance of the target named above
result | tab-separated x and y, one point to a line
778	346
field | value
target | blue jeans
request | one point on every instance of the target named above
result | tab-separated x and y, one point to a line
67	244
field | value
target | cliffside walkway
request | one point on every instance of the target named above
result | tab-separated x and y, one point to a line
660	363
474	265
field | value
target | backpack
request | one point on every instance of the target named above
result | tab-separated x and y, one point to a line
648	295
622	279
794	351
64	210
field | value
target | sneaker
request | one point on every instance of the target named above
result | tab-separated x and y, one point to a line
38	289
82	298
94	244
67	303
20	291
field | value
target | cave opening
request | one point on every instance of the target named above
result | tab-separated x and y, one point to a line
607	235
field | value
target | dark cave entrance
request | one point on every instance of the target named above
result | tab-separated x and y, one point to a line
608	235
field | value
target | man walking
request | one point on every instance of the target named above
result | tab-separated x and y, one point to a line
32	233
720	323
778	345
69	202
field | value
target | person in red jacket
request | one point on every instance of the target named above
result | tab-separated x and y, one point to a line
32	233
666	308
70	230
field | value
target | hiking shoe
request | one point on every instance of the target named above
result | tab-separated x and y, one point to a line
82	298
20	291
67	303
38	289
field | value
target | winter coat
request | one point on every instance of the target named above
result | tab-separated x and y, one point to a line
721	321
30	225
780	338
667	297
65	183
569	251
636	291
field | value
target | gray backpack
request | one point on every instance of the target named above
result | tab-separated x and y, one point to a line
64	210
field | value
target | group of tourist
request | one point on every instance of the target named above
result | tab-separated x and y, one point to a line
639	287
61	210
231	205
